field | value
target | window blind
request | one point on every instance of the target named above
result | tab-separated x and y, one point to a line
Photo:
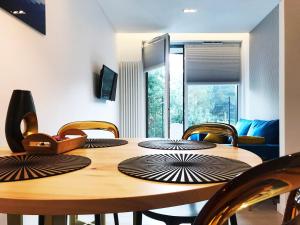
213	62
155	52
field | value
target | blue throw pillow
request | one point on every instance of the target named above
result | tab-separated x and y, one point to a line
242	126
197	137
194	137
267	129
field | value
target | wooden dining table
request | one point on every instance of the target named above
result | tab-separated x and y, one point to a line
101	188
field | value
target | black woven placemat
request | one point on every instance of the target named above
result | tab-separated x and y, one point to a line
183	168
103	143
176	144
27	167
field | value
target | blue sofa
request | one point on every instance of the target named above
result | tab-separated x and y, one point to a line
269	129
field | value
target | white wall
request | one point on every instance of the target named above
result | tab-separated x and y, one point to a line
264	69
58	68
129	46
289	74
289	78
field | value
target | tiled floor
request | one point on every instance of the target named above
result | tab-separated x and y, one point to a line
261	214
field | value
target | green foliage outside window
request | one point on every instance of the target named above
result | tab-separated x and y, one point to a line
155	102
212	103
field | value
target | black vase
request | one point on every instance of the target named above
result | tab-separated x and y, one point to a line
21	108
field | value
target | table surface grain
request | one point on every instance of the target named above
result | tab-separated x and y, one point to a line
101	188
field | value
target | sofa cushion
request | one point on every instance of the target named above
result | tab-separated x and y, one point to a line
266	151
197	137
219	139
242	126
267	129
251	140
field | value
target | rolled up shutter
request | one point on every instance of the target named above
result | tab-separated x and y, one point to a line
213	62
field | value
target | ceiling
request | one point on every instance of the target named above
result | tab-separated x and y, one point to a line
213	16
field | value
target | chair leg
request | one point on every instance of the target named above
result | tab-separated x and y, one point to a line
41	220
97	219
72	219
233	220
56	220
171	222
14	219
137	218
116	218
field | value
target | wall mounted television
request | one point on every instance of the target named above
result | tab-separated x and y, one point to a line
107	84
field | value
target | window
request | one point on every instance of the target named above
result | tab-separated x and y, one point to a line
202	87
213	70
155	54
212	103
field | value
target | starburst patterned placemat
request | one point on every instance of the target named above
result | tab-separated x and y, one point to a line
104	143
176	144
183	168
27	167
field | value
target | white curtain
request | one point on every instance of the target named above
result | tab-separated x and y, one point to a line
132	100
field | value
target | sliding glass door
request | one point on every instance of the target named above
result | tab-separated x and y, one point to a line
155	84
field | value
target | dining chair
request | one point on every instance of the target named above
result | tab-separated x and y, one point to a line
93	125
187	213
292	206
222	129
262	182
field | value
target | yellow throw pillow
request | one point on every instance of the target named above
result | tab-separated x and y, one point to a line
219	139
251	140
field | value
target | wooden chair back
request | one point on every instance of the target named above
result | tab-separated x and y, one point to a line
91	125
213	128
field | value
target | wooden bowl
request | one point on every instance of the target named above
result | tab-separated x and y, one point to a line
44	144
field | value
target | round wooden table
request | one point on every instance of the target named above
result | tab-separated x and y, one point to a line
101	188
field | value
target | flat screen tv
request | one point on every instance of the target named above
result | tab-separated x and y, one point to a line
107	84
